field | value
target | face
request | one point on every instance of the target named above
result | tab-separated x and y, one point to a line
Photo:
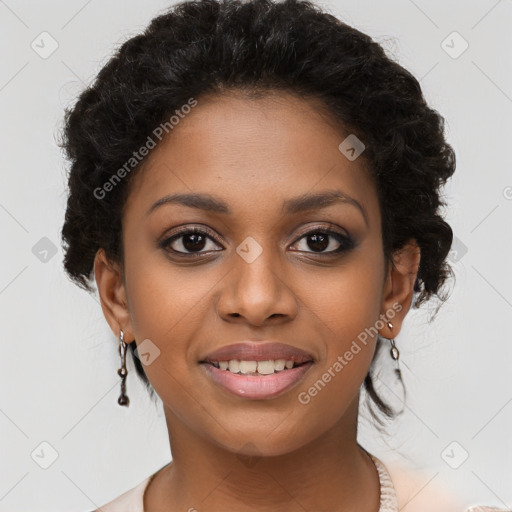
270	262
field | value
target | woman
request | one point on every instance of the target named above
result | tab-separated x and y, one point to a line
256	187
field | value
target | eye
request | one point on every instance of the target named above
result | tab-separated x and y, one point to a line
189	241
325	241
197	241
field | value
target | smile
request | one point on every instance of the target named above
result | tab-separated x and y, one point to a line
256	380
257	370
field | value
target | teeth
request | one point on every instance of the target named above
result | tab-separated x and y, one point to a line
280	364
234	366
254	367
266	367
248	366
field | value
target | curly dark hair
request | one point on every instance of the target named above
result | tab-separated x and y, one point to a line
201	47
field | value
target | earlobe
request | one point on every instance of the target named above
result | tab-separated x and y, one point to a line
399	286
112	294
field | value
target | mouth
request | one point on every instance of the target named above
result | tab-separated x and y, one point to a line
257	370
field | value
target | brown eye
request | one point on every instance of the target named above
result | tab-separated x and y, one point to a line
189	241
319	241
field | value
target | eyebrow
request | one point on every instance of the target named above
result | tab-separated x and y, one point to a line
305	202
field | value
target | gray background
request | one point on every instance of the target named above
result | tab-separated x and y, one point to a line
59	358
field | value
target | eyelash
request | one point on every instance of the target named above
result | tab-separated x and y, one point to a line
346	242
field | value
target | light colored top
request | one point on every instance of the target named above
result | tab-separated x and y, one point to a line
133	500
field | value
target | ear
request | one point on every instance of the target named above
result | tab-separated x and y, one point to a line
399	286
111	289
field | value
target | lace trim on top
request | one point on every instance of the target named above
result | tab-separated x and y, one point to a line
388	500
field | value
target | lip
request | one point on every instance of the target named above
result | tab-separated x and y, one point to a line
257	387
260	351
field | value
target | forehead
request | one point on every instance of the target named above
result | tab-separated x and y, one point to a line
244	149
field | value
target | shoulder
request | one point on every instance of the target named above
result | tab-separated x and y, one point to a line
130	501
423	492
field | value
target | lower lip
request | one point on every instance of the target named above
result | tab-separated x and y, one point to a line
254	386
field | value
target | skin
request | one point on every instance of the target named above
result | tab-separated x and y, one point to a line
231	453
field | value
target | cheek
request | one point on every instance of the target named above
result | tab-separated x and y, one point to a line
165	305
347	299
346	311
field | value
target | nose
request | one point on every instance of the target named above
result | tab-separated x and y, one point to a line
257	292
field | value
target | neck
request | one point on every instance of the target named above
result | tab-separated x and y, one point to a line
332	472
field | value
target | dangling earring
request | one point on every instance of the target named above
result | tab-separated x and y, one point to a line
123	372
395	354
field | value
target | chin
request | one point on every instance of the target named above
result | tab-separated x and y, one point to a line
261	439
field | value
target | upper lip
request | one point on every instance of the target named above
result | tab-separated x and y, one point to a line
260	351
